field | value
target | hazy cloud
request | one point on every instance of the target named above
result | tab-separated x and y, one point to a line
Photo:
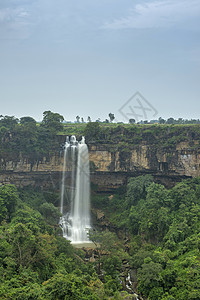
8	15
46	18
157	14
14	23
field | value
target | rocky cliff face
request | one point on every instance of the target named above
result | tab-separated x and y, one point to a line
110	166
183	161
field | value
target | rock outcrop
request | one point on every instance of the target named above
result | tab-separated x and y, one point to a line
110	166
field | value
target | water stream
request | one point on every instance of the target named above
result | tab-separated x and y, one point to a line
75	188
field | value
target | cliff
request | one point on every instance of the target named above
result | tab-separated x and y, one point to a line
182	161
111	165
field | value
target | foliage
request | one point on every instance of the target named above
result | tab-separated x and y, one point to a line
50	213
31	141
153	229
9	122
150	279
28	139
109	263
165	241
52	121
8	201
38	263
136	189
111	116
92	131
68	286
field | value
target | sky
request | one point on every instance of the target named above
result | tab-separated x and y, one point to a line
136	59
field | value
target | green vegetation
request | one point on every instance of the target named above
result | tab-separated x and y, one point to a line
32	141
152	230
28	139
124	137
163	235
36	262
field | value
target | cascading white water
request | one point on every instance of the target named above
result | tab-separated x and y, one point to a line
81	208
63	174
63	219
76	223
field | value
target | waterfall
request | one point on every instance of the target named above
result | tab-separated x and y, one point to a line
63	174
76	221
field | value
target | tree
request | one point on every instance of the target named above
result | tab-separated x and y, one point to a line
132	121
89	119
136	189
92	131
9	122
8	200
182	194
28	128
23	244
155	219
106	242
27	135
50	213
181	121
170	121
68	286
27	121
111	116
77	119
82	120
161	121
149	277
52	121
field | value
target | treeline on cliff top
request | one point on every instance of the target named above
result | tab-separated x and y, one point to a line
33	141
147	228
27	138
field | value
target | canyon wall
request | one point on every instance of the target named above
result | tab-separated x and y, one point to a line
110	167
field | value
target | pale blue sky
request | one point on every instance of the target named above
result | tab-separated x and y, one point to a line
88	57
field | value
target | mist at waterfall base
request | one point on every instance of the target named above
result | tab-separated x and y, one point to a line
75	192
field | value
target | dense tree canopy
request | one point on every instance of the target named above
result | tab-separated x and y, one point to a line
52	121
27	138
153	230
164	244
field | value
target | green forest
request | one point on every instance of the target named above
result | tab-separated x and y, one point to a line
154	230
163	235
145	232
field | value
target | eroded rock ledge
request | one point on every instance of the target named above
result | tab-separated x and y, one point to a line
110	167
